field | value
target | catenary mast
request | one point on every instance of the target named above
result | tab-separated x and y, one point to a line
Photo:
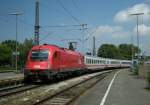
36	27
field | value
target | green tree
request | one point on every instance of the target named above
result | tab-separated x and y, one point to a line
11	44
5	55
123	51
24	50
126	50
8	47
108	51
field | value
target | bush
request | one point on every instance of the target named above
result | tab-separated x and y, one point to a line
136	70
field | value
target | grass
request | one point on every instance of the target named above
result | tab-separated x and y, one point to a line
6	69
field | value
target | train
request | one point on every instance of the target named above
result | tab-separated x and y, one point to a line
45	62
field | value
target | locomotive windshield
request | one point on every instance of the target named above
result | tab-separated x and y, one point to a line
39	55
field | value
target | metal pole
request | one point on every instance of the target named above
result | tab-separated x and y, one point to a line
16	41
138	37
94	46
137	66
83	43
132	52
36	36
132	48
16	46
137	16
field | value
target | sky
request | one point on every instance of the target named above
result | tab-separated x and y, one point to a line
110	21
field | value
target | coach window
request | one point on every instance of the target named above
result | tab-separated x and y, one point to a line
89	61
99	61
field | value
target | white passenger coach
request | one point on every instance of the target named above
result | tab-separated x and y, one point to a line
103	63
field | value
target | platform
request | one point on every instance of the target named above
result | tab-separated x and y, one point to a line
125	89
9	75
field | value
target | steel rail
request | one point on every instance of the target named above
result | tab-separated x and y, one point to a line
66	101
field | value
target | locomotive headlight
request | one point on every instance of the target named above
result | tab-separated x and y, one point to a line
37	66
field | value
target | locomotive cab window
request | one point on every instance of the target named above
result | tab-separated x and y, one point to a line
39	55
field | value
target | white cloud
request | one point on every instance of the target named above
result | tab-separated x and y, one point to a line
124	15
143	30
116	34
114	31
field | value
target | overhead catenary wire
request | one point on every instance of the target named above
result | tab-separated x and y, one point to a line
46	36
50	34
71	39
64	25
46	6
68	12
91	34
75	5
68	27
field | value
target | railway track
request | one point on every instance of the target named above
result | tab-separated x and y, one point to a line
16	89
11	87
70	94
11	82
61	93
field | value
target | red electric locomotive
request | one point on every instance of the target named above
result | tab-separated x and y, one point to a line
46	61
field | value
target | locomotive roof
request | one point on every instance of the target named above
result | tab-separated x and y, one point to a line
48	46
43	46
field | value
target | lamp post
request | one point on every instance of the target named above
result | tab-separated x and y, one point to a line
16	14
137	21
